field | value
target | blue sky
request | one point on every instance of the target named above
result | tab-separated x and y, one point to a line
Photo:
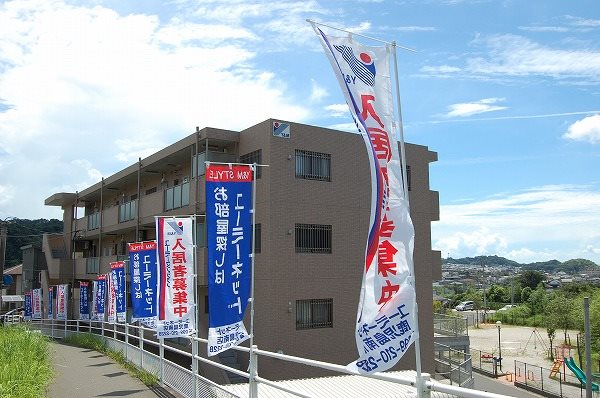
507	93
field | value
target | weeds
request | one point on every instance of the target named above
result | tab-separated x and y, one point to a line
25	364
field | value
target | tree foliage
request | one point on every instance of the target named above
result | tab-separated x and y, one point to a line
531	278
23	232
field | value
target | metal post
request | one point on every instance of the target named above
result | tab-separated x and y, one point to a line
141	343
194	364
253	371
499	326
588	352
126	339
195	335
253	385
420	384
161	352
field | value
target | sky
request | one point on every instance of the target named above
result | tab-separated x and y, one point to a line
506	92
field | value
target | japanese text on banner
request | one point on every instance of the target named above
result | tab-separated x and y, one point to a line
229	238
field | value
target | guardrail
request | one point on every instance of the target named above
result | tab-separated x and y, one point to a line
537	379
450	325
170	364
453	365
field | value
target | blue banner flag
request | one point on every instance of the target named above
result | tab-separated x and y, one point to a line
84	309
143	278
229	232
28	308
50	302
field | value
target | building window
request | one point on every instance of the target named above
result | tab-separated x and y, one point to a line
92	265
253	157
257	238
127	211
313	165
177	196
151	191
94	221
314	314
313	238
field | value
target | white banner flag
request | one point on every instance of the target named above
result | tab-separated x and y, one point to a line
36	298
385	324
62	299
176	302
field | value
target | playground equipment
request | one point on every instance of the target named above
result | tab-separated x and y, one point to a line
579	373
555	368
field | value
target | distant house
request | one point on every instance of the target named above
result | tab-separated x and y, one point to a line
553	284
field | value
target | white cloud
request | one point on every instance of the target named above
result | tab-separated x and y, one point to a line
338	110
474	108
586	129
517	56
583	22
317	92
560	29
564	218
88	83
349	127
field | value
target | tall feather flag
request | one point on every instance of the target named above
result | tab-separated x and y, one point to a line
386	325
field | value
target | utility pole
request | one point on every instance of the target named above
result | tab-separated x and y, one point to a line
3	235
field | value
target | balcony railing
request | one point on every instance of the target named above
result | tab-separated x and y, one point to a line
128	211
92	265
177	196
93	221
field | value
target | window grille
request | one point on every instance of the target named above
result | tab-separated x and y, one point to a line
313	238
253	157
313	165
314	314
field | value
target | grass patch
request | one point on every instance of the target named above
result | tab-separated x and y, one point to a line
94	342
25	363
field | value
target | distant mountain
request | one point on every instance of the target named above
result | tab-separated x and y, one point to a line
569	266
22	232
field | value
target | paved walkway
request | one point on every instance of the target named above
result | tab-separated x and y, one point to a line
81	372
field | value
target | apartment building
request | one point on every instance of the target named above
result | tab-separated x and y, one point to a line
312	212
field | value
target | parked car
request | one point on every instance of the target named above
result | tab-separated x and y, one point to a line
507	307
465	306
10	315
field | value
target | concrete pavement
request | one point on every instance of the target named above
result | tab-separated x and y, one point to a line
81	372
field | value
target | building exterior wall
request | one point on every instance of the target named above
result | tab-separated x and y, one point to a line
282	275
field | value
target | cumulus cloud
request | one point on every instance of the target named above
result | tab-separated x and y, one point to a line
586	129
317	92
552	216
86	84
474	108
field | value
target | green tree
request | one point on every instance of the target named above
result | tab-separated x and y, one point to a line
537	300
531	278
525	293
497	293
561	313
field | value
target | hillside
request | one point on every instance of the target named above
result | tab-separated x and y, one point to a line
23	232
569	266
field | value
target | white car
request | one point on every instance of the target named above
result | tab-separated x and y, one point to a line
465	306
507	307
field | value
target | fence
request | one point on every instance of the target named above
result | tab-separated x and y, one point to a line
487	363
138	346
450	325
453	365
537	379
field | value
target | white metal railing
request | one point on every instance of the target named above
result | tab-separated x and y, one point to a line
139	346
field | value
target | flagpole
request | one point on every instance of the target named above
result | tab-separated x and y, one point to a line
405	189
360	35
253	388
